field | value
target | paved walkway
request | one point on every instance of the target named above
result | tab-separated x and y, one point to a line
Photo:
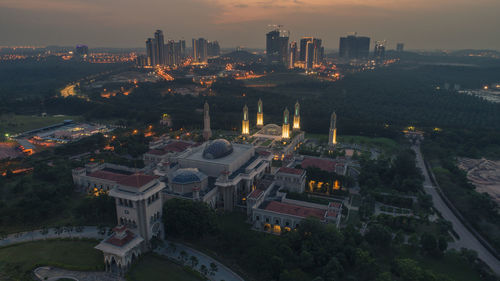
54	274
467	239
223	272
86	232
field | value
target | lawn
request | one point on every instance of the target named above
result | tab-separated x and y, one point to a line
152	268
13	124
20	259
450	265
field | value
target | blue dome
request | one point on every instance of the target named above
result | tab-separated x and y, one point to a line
184	176
217	149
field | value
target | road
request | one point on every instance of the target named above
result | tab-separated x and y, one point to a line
467	239
223	272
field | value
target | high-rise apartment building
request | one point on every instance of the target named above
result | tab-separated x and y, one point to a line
277	47
379	51
400	47
150	52
311	51
213	48
354	47
200	50
159	51
293	56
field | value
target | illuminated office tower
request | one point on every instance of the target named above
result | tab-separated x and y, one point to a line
285	131
311	51
207	132
296	117
277	47
245	126
260	114
332	137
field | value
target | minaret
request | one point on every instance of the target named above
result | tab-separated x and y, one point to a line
332	138
260	114
285	131
245	127
207	132
296	117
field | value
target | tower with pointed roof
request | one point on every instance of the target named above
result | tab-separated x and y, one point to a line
296	117
285	130
260	114
332	138
245	126
207	132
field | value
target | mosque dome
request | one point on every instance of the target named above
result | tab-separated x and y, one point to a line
217	149
185	176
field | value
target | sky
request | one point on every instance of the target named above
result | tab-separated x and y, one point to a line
420	24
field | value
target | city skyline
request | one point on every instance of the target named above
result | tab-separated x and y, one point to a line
424	25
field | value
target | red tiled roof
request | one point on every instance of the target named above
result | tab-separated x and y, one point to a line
107	175
334	204
255	194
323	164
292	171
136	180
157	152
264	153
295	210
114	240
177	146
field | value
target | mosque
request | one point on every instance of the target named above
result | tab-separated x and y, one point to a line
224	175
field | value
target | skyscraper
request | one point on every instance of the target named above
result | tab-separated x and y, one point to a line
293	55
245	126
159	48
379	51
277	47
311	51
200	50
285	129
150	52
354	47
400	47
213	49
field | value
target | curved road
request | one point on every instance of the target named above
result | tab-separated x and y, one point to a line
467	239
223	272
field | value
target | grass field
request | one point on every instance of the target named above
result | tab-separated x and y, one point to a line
69	254
154	268
274	79
14	124
383	144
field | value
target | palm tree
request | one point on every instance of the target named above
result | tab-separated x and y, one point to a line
213	268
204	270
194	261
183	256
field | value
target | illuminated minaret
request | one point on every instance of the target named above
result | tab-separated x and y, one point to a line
286	125
245	128
332	139
260	114
296	117
207	132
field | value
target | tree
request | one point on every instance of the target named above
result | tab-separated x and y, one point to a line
183	256
172	247
213	268
191	219
442	243
428	243
194	261
204	270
